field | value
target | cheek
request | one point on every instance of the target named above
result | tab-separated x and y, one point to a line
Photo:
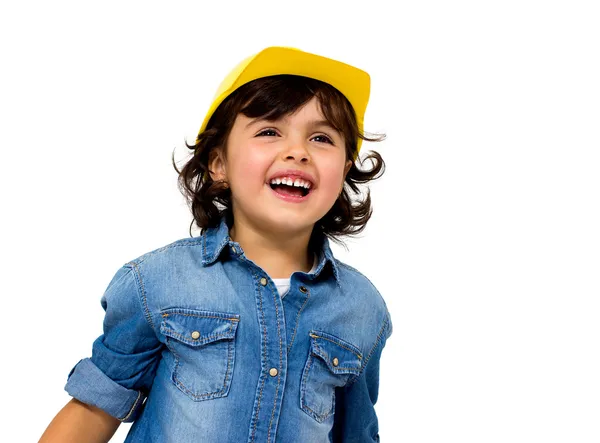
249	170
331	177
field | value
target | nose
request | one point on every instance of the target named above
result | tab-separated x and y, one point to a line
296	150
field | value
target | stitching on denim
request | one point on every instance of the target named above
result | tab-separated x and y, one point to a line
230	360
336	273
298	321
335	368
132	407
187	390
176	244
142	289
347	266
219	248
328	254
316	415
336	343
321	417
275	299
304	377
166	314
379	336
204	261
319	270
184	338
263	356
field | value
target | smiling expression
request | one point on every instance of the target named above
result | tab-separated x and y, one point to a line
285	174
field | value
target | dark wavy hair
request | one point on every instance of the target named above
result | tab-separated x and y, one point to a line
274	97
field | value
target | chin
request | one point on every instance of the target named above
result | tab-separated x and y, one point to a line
286	223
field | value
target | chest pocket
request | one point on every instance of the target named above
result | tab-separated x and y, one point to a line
203	347
331	363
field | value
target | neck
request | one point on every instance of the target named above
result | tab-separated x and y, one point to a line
278	254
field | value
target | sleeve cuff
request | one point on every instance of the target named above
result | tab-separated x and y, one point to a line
88	384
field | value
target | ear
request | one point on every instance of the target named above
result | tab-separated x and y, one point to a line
347	168
216	165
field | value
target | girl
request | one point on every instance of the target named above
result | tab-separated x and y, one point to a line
252	331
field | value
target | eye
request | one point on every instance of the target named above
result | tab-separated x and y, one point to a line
327	139
265	131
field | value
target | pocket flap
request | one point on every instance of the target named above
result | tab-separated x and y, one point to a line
340	356
197	328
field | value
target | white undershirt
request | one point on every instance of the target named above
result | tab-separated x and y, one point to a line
283	284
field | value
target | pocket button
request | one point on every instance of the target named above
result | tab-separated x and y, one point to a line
202	345
335	361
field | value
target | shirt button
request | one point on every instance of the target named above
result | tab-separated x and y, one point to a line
335	361
303	289
195	335
234	250
273	372
263	281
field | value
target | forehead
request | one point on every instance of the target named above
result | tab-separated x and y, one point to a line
309	114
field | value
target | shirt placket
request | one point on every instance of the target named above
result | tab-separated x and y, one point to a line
273	345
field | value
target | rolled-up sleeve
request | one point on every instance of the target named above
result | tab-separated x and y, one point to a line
120	372
355	419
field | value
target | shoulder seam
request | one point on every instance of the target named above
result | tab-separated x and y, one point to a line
194	241
141	292
379	337
347	266
344	265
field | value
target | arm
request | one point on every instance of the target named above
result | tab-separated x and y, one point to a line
110	387
355	420
79	422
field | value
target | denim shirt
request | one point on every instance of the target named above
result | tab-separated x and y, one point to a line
198	346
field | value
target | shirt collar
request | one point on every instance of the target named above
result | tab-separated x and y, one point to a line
216	238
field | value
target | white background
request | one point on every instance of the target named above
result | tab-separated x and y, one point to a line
484	239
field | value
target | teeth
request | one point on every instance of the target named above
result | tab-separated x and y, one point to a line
291	182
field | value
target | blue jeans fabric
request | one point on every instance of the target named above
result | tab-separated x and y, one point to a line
199	346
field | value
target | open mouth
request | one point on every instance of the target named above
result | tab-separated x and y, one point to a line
292	186
290	190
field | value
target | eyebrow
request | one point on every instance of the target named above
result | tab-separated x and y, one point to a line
320	123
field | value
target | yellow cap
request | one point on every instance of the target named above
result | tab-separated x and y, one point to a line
354	83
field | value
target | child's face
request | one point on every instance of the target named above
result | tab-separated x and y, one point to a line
259	150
